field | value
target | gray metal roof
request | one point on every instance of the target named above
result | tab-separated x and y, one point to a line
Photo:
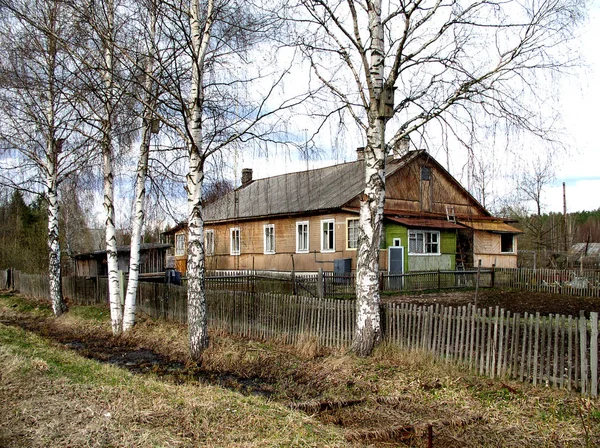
306	191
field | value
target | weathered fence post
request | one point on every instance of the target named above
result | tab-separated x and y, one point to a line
594	354
320	284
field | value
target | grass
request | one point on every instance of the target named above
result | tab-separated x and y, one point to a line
52	397
347	400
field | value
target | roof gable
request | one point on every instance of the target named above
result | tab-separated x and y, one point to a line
316	190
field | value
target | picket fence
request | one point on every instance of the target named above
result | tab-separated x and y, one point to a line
554	350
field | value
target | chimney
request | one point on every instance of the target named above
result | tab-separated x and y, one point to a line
246	176
360	153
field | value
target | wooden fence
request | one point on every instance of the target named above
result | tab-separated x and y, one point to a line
555	350
584	283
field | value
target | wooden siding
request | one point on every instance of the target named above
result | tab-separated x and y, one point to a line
404	191
445	261
285	258
486	247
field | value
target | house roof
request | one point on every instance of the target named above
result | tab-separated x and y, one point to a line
586	249
491	226
306	191
425	223
120	249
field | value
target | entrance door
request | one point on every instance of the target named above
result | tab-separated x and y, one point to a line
396	266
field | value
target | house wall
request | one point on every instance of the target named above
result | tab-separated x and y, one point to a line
406	191
445	261
285	258
486	247
86	268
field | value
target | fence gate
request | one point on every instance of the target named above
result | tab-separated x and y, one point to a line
396	266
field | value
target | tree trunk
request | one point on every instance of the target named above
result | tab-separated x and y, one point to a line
54	272
368	326
116	311
197	328
140	187
138	224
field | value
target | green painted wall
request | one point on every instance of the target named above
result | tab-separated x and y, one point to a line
445	261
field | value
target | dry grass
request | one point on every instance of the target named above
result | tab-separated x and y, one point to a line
388	399
46	401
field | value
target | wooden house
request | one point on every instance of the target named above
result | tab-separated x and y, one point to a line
152	260
309	220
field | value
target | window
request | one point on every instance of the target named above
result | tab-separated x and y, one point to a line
506	242
302	237
269	239
423	242
234	241
352	233
180	244
425	173
328	235
209	243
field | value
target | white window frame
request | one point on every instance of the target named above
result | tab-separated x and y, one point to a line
328	235
299	248
180	250
209	242
396	242
233	250
267	249
413	235
348	239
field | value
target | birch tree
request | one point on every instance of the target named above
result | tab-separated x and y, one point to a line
213	97
107	111
148	101
40	129
402	66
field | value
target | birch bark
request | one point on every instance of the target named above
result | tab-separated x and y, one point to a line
368	326
140	183
54	271
116	310
197	328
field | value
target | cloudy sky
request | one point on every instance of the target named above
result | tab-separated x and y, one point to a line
579	168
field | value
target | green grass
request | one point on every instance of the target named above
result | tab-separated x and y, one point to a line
21	304
46	387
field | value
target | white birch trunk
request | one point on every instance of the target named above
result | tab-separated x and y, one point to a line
197	328
140	190
116	310
138	224
54	272
368	326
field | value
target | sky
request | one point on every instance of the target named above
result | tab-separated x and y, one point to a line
579	168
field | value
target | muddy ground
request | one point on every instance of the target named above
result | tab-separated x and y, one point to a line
513	300
358	402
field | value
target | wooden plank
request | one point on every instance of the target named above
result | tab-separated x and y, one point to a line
594	354
536	348
523	348
561	356
483	344
569	352
555	381
583	352
549	349
489	342
499	370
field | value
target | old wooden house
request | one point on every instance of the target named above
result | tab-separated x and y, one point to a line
152	260
309	220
